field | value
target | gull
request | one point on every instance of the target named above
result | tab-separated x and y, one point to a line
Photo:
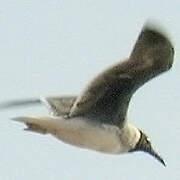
97	118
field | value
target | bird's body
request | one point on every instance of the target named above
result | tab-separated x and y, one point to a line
97	118
84	133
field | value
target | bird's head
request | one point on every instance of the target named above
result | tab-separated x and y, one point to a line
144	144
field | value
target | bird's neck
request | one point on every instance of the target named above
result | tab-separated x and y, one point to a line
129	136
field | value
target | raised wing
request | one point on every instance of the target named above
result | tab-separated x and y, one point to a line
19	103
58	105
107	97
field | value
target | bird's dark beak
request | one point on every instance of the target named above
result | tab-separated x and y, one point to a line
145	145
151	151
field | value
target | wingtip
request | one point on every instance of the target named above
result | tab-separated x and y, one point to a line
19	103
155	26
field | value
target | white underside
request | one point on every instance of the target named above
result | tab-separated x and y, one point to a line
83	133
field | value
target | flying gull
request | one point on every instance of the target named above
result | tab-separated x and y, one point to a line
97	118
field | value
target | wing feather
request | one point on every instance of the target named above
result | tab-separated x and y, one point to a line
58	105
107	97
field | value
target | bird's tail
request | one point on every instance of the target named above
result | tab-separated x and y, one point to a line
38	124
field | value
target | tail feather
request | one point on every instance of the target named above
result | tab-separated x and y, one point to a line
34	123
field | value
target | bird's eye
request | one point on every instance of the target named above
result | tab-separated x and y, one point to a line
148	140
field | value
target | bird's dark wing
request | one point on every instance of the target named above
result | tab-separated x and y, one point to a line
58	105
107	97
19	103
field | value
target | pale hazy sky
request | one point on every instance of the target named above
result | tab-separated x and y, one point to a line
55	47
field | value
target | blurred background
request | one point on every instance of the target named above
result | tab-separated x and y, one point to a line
54	47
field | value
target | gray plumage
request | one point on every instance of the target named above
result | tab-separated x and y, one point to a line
106	98
57	105
108	95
